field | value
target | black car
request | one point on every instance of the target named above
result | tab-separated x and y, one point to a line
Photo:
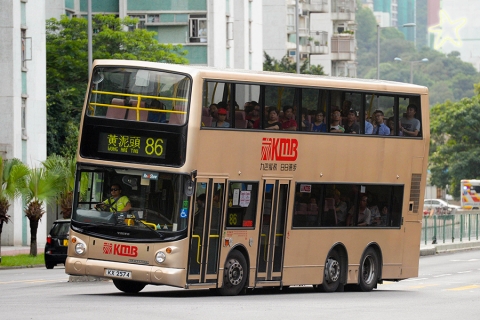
57	243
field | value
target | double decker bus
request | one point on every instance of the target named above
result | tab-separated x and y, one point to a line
246	205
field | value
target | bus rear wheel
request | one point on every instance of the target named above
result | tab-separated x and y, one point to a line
129	286
368	270
332	273
234	275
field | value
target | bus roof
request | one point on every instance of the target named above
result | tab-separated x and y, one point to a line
275	77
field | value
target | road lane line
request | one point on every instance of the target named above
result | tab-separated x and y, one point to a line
442	275
473	286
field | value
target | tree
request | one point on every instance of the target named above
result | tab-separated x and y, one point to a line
64	168
455	143
286	65
12	174
41	186
67	67
443	71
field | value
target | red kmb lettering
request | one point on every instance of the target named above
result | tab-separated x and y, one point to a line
279	149
125	250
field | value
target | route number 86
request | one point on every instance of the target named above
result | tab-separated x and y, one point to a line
154	146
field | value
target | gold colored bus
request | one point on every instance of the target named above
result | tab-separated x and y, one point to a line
185	178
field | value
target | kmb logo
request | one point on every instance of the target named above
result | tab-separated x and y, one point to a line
279	149
120	249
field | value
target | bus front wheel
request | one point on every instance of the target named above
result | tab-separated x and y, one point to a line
368	270
235	274
128	286
332	273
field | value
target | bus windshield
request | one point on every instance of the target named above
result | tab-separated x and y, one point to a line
138	95
133	204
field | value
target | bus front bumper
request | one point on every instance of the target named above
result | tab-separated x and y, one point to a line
148	274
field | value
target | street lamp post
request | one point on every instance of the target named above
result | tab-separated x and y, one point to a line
406	25
411	65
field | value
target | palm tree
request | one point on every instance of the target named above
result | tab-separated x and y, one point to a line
65	169
41	185
12	174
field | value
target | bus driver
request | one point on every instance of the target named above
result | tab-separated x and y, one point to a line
117	202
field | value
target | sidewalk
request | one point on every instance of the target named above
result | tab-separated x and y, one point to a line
14	250
431	249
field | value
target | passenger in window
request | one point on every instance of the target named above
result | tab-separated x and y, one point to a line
335	123
374	214
410	126
254	117
340	209
391	125
221	123
352	125
364	214
199	214
383	216
154	116
346	107
213	111
288	123
305	123
380	128
319	125
272	123
368	125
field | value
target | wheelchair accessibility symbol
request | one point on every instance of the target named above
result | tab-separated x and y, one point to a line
184	213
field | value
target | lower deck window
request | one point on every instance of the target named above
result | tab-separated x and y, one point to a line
347	205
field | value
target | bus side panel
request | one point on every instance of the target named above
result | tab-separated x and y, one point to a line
411	250
305	257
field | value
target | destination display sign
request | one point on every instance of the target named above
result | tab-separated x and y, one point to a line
132	145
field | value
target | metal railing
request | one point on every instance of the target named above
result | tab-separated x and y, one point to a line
450	228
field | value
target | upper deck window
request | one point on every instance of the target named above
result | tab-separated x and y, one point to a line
310	109
139	95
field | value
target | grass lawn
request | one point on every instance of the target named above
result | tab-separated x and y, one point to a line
22	260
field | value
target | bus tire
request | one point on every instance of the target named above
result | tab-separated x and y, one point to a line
368	270
234	275
332	273
129	286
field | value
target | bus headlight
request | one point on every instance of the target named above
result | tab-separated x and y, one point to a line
160	257
80	248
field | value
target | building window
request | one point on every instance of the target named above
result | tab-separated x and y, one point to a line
26	48
140	24
153	18
198	28
24	119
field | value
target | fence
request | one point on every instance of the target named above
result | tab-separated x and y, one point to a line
450	228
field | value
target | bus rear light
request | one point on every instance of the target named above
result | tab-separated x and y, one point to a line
49	239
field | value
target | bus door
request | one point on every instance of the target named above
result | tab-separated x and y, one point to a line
205	231
272	232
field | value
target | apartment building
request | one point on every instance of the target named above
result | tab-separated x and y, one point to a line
22	99
326	30
219	33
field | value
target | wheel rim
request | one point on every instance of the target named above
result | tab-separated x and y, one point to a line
368	269
332	270
235	273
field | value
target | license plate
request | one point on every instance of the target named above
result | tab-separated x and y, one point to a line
65	242
118	273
